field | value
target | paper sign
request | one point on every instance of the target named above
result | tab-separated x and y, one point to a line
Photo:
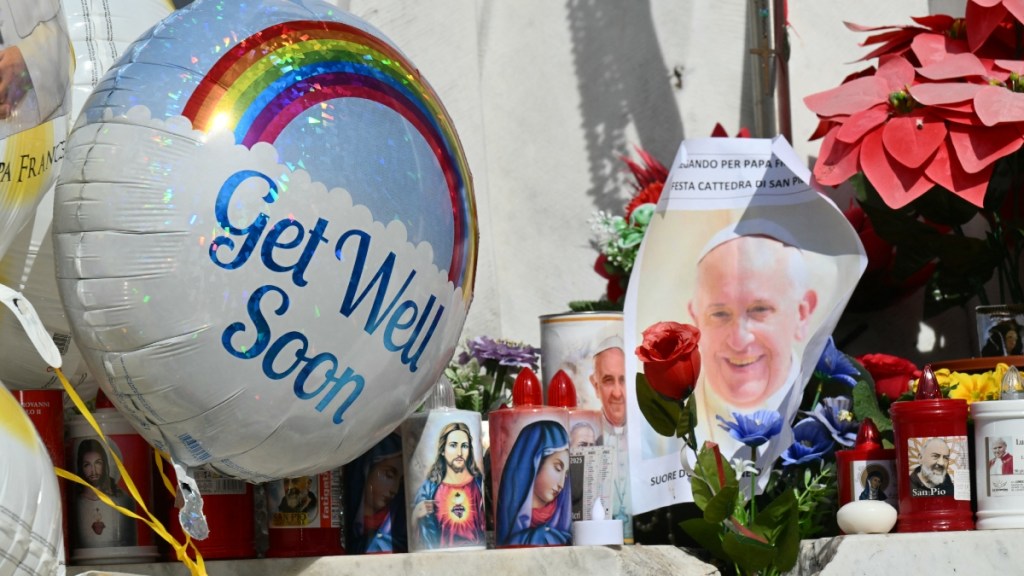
742	247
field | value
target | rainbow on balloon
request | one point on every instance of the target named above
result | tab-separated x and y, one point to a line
268	79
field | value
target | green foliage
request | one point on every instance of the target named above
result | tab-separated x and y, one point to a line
663	415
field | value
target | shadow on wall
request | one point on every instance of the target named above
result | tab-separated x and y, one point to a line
623	79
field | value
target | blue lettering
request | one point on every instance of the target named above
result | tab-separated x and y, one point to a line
252	232
259	321
316	237
383	276
309	365
275	349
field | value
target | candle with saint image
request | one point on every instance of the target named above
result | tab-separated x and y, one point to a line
530	469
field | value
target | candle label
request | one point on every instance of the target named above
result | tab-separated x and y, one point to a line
305	501
1004	465
939	466
444	487
874	480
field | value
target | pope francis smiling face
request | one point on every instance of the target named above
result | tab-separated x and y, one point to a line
751	305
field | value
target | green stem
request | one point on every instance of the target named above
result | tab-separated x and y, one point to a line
498	386
753	486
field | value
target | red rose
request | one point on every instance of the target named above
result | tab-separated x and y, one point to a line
892	374
671	359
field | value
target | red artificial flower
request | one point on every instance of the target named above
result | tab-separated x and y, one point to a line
649	177
892	374
616	288
992	20
671	358
898	39
719	132
928	116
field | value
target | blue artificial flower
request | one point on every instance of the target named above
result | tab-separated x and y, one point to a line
811	441
835	365
753	429
837	415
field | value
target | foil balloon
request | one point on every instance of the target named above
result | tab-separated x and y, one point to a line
265	236
31	537
100	31
36	55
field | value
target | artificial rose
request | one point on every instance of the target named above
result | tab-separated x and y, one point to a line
671	359
892	374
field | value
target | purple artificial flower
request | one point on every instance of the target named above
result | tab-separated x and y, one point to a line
753	429
504	352
835	365
837	415
811	441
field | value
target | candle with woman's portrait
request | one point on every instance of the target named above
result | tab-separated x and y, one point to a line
374	506
530	469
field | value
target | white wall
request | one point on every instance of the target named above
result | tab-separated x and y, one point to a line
548	95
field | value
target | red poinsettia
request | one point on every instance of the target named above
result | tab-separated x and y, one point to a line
935	135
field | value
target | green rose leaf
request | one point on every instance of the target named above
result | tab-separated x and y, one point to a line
663	415
721	505
865	405
707	535
749	554
779	521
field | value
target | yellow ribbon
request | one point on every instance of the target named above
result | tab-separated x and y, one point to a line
195	566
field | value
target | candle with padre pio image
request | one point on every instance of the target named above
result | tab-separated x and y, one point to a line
530	469
374	503
932	462
304	516
444	487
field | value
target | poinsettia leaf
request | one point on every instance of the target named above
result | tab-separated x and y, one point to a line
722	504
938	93
977	148
995	104
848	98
953	66
897	184
749	554
708	536
913	139
1016	66
981	22
663	415
865	405
933	48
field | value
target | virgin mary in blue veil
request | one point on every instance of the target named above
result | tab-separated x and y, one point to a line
541	447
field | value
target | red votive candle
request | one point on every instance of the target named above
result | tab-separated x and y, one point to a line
932	462
867	471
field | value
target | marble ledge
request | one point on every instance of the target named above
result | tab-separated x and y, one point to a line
563	561
975	552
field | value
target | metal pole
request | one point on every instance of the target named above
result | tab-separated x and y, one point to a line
781	53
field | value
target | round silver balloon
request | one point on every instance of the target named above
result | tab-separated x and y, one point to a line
266	236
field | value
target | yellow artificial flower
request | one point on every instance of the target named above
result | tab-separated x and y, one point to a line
974	387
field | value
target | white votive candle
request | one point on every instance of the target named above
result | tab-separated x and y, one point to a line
597	531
